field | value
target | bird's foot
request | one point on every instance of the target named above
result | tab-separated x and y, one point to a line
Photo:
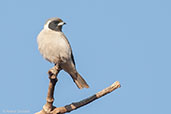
54	70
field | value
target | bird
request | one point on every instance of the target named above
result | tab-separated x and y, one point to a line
55	48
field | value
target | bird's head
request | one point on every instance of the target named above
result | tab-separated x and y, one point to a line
54	24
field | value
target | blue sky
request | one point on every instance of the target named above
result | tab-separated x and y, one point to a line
124	40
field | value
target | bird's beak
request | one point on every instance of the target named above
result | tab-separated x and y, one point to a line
61	23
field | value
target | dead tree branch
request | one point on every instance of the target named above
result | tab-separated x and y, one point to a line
48	108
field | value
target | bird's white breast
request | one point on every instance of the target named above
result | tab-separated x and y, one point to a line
54	46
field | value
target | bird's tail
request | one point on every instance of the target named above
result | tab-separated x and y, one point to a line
79	81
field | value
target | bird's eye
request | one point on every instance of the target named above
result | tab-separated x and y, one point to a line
56	22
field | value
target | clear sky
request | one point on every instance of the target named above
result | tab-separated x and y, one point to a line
124	40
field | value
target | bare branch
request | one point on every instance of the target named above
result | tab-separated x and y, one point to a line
48	108
75	105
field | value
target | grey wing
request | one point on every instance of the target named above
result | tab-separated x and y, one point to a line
72	57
